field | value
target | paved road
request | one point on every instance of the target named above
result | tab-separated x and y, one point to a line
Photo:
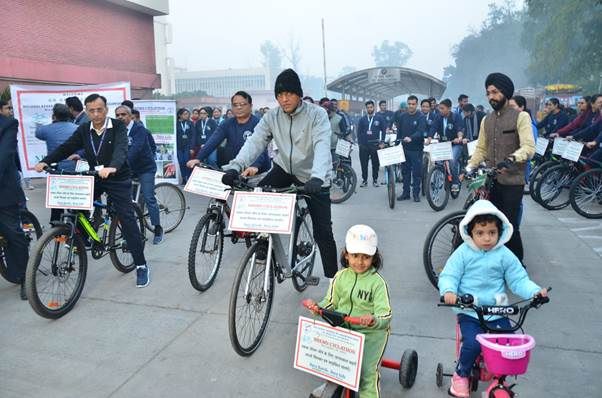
170	340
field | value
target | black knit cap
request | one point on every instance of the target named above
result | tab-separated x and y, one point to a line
501	82
288	81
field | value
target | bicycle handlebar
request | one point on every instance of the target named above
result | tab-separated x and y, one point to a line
334	318
51	169
466	301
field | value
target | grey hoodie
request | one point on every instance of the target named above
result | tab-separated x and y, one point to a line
302	139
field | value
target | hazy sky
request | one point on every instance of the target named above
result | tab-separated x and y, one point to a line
221	35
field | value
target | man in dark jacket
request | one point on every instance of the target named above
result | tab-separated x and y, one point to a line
77	110
371	131
11	196
472	121
141	160
105	144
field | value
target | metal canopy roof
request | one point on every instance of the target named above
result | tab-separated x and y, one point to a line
387	83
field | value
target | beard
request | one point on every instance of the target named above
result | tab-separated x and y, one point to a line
497	105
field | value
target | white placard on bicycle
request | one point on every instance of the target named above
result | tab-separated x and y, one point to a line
69	192
541	146
331	353
573	151
441	151
391	155
559	146
343	148
207	182
82	165
266	212
472	147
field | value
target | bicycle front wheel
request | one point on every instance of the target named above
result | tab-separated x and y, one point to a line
390	186
120	254
56	272
205	253
343	184
172	207
251	300
553	188
304	251
586	194
440	243
437	194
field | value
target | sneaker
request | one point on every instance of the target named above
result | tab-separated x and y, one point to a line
158	235
364	184
142	275
459	386
455	188
375	184
403	197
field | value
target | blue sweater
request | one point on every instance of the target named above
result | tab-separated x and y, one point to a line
55	134
235	135
454	125
371	131
141	157
413	126
553	122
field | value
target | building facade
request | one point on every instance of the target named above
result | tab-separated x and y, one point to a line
222	83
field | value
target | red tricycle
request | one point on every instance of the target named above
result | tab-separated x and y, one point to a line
406	367
503	353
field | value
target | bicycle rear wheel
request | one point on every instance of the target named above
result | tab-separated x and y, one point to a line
205	253
586	194
304	249
250	303
172	207
437	193
440	243
535	177
553	188
56	272
32	230
119	252
343	183
390	186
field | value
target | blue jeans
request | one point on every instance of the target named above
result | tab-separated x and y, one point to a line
412	171
454	163
471	348
147	187
183	157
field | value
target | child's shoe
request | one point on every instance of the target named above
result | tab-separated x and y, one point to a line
459	386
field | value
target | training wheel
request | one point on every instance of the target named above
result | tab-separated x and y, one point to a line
439	375
408	367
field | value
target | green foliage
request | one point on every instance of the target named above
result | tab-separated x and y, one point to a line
5	94
391	54
563	38
271	57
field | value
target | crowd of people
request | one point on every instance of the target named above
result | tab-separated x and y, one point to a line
294	143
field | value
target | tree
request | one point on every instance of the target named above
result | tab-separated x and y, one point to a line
393	54
563	38
294	53
272	58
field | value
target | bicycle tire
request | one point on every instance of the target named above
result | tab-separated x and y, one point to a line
425	172
303	240
62	273
171	215
536	176
390	186
27	218
201	232
254	298
553	188
345	178
437	176
593	190
449	243
118	244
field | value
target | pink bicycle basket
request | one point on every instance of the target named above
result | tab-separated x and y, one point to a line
506	354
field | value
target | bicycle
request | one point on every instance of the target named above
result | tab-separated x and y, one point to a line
252	291
32	230
391	172
585	193
344	179
171	203
503	353
553	187
407	367
438	185
444	237
207	244
57	267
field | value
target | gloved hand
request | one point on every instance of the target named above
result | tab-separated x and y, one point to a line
506	163
469	171
313	185
229	177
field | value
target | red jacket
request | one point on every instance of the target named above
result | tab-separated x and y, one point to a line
576	124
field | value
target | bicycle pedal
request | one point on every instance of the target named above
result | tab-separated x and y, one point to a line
287	274
312	280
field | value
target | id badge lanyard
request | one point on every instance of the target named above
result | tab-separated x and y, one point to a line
203	126
370	125
102	140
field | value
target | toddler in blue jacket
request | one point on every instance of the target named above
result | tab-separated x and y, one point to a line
481	266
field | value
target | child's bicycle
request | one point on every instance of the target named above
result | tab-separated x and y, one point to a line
503	354
407	366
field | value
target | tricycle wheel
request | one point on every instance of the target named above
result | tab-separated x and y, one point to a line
439	375
408	366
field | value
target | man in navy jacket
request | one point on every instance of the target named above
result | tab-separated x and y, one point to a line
371	131
11	196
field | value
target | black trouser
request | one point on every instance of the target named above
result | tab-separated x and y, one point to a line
508	198
16	252
319	211
368	152
412	171
120	195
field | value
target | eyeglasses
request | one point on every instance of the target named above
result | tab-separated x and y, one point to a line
239	105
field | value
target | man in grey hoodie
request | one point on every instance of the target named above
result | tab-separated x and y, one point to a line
301	131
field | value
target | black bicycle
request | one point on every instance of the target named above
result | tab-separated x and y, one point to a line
344	179
32	230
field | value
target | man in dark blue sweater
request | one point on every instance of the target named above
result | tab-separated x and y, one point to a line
411	130
371	131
